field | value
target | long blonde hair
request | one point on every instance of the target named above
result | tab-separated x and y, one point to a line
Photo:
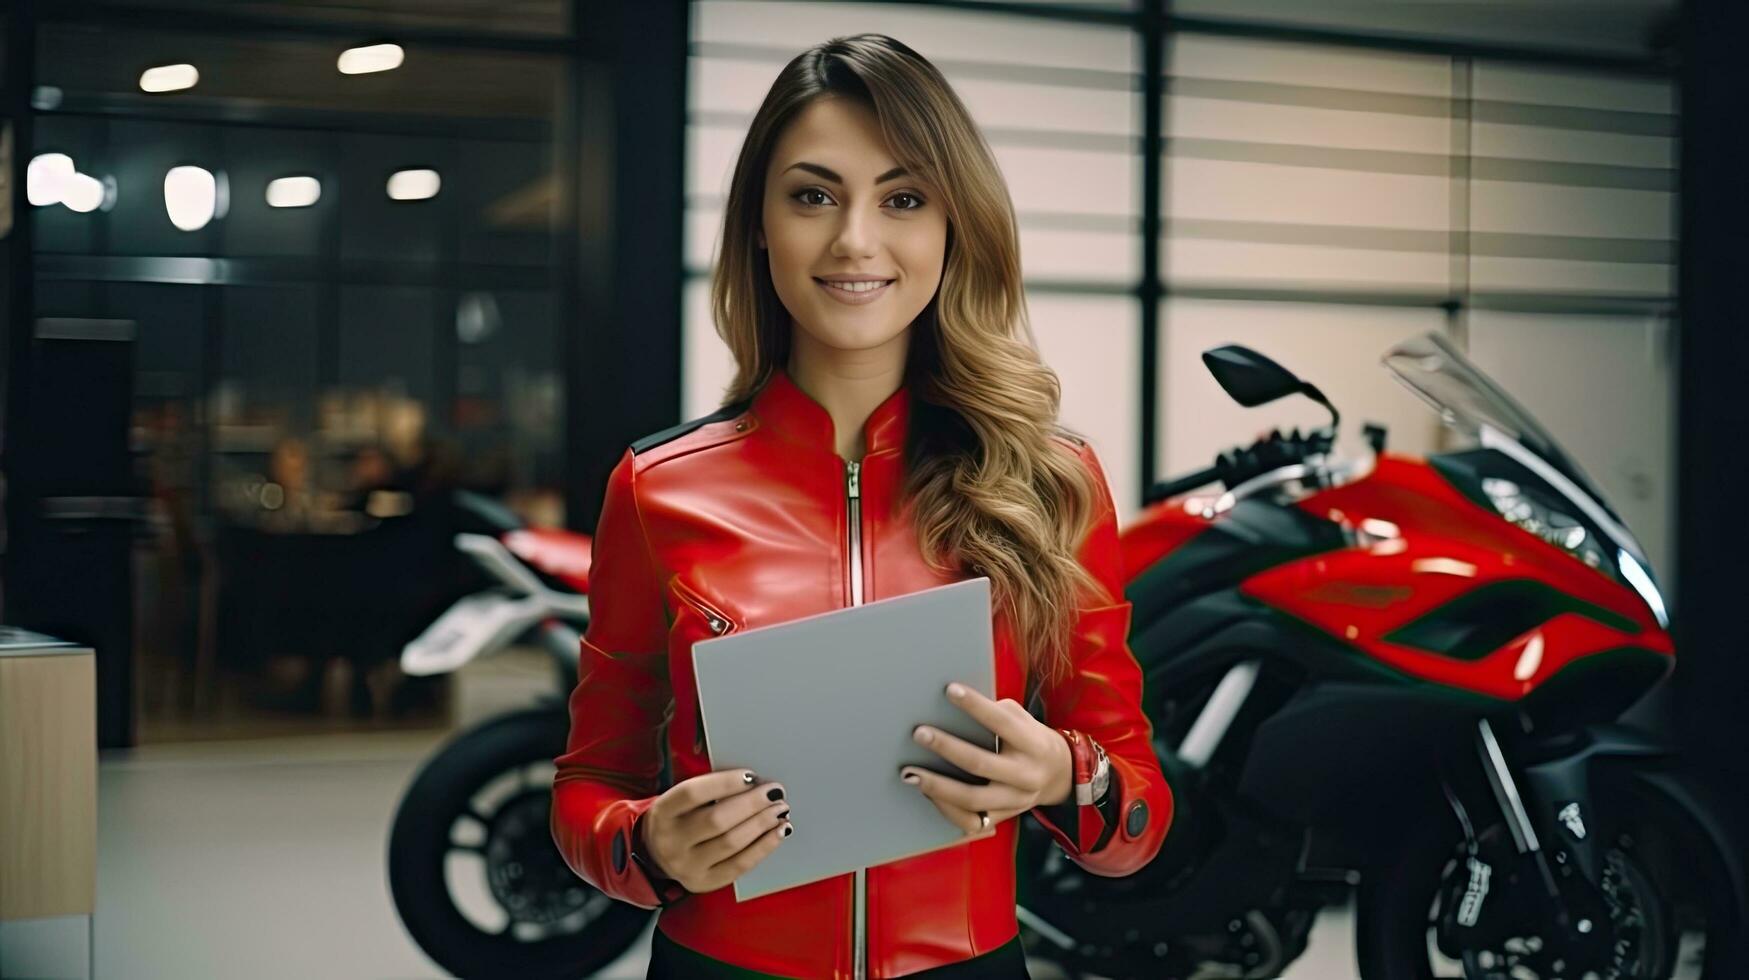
990	492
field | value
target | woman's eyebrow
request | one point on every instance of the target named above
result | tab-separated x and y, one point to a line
832	175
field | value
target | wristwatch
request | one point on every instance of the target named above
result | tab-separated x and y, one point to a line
1092	769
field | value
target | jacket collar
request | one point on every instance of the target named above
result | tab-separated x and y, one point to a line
793	414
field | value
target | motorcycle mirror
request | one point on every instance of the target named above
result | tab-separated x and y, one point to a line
1249	377
1252	379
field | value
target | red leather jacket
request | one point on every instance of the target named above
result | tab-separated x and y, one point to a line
742	519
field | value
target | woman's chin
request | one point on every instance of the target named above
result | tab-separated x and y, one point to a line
842	336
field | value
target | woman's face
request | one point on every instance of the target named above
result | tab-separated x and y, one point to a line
856	244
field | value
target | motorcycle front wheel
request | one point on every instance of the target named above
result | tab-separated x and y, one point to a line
1404	899
474	873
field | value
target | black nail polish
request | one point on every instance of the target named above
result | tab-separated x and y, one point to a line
775	794
788	829
783	814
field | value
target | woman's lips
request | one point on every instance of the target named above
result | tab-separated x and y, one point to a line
858	298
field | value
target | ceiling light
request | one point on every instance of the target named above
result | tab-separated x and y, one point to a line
84	193
371	58
191	197
168	78
414	185
45	180
293	192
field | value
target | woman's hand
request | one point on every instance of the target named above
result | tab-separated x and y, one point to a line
1033	767
709	830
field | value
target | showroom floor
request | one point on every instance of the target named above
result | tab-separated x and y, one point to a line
265	859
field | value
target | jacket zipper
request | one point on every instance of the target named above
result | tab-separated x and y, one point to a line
853	502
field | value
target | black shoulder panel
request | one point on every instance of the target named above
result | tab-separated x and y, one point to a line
674	432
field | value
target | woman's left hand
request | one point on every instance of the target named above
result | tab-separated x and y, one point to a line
1033	766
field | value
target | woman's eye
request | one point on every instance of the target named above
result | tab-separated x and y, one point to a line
813	197
915	202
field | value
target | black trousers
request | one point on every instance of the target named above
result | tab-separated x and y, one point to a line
671	961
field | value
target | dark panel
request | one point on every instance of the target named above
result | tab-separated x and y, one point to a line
78	583
628	129
1711	535
1477	623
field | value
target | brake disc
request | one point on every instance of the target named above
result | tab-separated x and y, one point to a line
1624	947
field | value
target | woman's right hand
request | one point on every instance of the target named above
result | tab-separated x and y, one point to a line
709	830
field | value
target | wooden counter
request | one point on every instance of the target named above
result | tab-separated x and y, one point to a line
48	796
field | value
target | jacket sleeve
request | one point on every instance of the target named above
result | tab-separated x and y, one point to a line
1102	699
608	774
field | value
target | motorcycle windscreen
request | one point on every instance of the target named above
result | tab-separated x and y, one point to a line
1467	400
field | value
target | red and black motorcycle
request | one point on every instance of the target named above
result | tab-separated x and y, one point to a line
1399	673
1405	674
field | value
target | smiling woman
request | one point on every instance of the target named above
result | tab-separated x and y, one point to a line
890	429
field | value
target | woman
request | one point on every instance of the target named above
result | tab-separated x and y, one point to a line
888	430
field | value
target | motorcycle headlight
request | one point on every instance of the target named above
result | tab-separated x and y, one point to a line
1530	511
1642	582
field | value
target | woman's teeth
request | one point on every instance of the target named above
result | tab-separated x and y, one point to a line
857	287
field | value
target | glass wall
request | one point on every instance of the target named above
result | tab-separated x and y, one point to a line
344	290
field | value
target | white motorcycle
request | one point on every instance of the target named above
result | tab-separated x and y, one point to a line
475	877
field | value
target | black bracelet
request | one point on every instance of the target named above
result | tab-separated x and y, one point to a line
668	891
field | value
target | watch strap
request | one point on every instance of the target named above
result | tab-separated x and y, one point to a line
668	891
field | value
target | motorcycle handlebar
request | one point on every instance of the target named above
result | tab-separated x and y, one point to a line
1167	489
1275	450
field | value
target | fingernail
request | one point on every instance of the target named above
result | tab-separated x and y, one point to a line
775	794
783	814
912	778
954	690
923	735
789	829
747	777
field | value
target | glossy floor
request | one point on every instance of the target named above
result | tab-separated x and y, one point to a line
265	858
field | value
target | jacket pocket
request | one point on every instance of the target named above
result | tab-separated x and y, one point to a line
716	622
697	618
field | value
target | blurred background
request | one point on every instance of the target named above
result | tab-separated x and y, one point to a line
280	276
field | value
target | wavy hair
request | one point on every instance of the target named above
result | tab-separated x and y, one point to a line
990	492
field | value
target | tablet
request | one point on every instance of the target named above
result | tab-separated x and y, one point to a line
826	705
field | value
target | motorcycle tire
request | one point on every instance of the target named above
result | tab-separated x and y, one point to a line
420	843
1398	891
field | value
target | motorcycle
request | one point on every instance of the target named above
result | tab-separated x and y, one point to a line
1401	680
472	868
1381	678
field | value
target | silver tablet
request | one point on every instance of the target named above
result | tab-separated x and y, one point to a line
826	705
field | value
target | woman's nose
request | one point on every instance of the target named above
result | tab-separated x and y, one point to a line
856	235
